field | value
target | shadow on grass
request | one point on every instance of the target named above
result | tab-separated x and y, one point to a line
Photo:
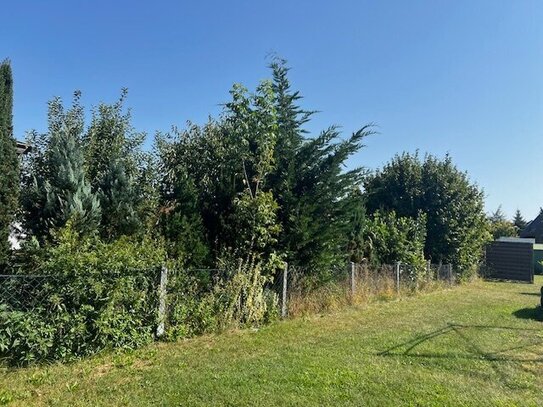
477	353
411	344
495	358
535	314
534	294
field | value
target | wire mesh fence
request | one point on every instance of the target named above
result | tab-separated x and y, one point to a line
25	293
296	289
301	293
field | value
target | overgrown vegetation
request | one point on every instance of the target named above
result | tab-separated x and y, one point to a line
476	345
456	225
225	205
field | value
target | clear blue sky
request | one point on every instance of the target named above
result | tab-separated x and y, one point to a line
457	76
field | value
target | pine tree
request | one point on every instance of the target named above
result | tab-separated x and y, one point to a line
498	215
9	163
519	221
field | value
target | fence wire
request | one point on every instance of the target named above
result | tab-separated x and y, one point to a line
297	289
24	292
304	293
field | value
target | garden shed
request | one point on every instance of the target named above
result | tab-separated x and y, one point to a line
511	259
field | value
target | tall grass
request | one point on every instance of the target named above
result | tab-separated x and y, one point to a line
370	285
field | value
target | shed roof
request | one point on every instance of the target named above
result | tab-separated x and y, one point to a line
534	229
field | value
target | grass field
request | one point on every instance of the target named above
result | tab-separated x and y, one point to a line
477	345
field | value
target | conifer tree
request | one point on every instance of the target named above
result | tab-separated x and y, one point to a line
56	187
519	221
9	163
313	190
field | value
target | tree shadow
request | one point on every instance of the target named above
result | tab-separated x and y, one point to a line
535	314
405	349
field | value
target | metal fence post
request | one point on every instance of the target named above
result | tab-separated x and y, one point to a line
162	291
428	269
284	296
449	269
398	277
353	280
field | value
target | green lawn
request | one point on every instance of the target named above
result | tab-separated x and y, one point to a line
477	345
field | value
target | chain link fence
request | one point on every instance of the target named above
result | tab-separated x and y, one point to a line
25	293
357	283
296	290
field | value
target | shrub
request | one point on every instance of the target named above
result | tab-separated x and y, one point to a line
391	238
97	295
240	295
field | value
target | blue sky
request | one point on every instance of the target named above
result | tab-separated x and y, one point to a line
463	76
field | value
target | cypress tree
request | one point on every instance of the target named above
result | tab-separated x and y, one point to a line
9	163
117	199
314	193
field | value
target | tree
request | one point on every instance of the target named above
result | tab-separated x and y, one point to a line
499	226
314	193
56	189
391	238
251	178
9	163
498	215
502	228
519	221
456	225
112	150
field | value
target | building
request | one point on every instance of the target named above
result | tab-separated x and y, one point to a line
22	148
534	229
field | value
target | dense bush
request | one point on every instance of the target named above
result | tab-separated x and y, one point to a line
96	295
391	238
456	226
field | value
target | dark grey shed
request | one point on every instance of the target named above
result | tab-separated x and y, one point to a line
510	260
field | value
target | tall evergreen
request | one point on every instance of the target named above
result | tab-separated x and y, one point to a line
519	221
313	190
9	163
56	187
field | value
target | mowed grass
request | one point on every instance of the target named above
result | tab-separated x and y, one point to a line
475	345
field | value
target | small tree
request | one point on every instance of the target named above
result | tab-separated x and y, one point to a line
502	228
499	226
112	150
456	223
498	215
